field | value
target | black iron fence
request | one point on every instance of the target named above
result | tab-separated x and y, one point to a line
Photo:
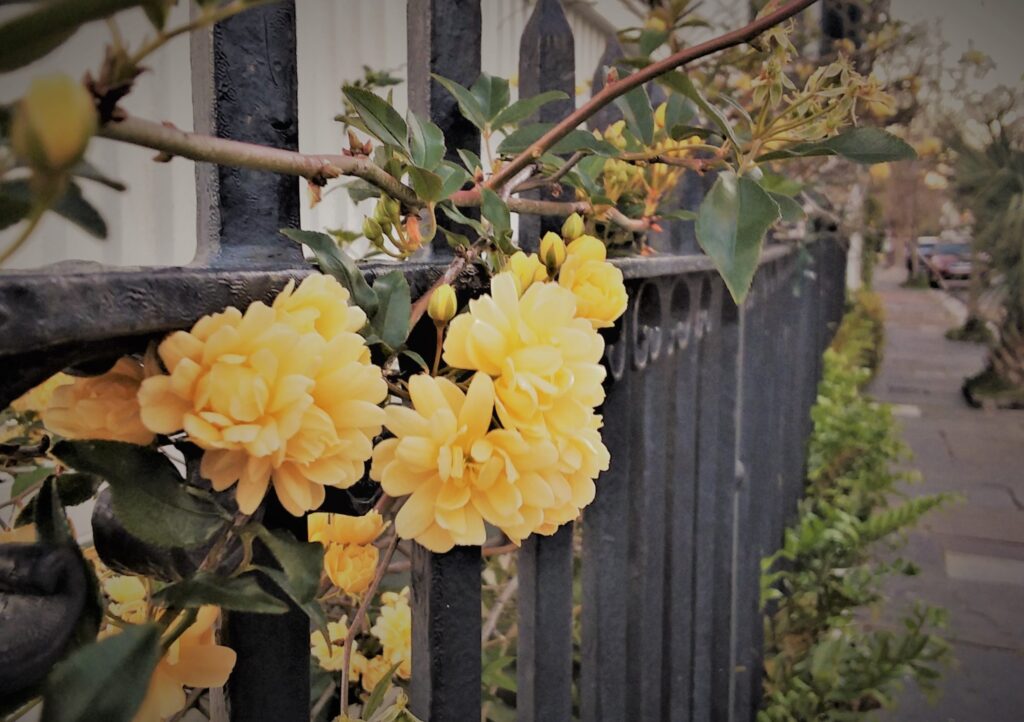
706	415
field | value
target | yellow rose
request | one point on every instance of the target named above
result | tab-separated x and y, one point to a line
100	407
331	654
39	398
193	660
526	270
456	473
351	567
53	123
128	598
598	286
376	669
343	528
394	630
284	395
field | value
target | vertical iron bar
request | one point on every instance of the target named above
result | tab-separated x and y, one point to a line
444	38
245	87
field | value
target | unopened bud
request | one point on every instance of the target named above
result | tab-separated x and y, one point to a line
656	24
412	232
573	227
659	115
443	304
552	252
53	123
371	229
394	209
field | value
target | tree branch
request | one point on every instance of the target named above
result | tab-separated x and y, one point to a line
613	90
209	149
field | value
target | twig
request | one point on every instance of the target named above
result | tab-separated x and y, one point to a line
499	606
551	179
357	621
204	148
613	90
451	273
521	177
325	696
192	698
497	551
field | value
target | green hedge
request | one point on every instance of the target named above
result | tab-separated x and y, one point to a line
822	661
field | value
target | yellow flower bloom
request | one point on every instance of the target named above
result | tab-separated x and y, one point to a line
526	270
285	395
194	660
457	473
127	598
394	630
39	398
343	528
598	286
351	567
375	671
545	361
331	655
100	407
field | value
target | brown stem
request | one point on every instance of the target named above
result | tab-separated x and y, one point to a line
554	177
613	90
357	621
451	273
204	148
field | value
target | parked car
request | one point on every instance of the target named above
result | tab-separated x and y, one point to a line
924	248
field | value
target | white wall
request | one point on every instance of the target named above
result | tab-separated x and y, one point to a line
153	223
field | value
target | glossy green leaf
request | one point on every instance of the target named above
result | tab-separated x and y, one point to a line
335	261
381	120
678	215
491	94
471	160
731	223
427	185
469	106
678	110
459	217
775	183
636	109
426	142
157	11
360	190
680	82
416	358
104	681
496	212
150	498
651	40
861	145
72	488
683	131
240	594
790	209
455	240
391	322
75	208
453	177
525	108
87	170
575	140
300	561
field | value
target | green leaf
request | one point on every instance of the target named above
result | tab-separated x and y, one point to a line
379	690
453	177
26	479
790	209
636	109
469	106
104	681
496	211
775	183
459	217
380	118
678	110
73	207
73	489
650	40
240	594
678	215
301	562
416	358
471	160
491	94
683	131
87	170
731	224
391	322
861	145
335	261
157	11
525	108
521	139
13	208
426	142
681	83
360	190
427	185
312	607
150	498
455	240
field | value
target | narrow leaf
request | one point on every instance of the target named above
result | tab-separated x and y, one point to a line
469	106
335	261
51	522
681	83
391	322
861	145
491	94
149	494
636	109
104	681
301	562
453	177
380	118
426	142
731	223
521	139
471	160
239	594
73	207
525	108
87	170
790	209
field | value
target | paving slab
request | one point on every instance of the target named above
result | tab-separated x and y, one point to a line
971	554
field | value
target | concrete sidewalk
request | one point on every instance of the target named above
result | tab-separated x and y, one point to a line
971	555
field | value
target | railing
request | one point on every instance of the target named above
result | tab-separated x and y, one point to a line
706	415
